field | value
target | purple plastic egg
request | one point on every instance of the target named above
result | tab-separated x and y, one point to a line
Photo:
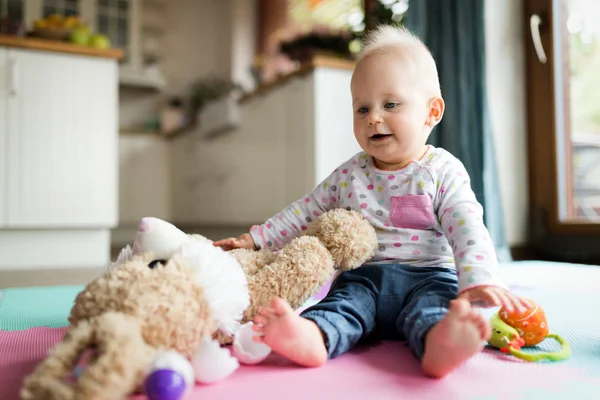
164	384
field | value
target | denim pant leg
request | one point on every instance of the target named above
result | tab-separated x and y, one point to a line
426	305
347	313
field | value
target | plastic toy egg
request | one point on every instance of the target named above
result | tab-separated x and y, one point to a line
165	384
244	347
212	363
531	325
170	376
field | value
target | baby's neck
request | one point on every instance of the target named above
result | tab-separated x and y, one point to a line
390	167
382	165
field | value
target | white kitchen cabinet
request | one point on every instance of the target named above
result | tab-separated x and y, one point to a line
61	156
58	158
3	132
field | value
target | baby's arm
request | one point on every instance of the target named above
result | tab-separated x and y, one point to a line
289	223
461	217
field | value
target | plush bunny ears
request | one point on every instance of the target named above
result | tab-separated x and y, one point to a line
159	237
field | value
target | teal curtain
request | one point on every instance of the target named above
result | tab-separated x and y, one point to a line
454	31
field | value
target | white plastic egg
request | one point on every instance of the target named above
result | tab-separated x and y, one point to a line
212	363
246	349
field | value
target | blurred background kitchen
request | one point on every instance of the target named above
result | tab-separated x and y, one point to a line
214	115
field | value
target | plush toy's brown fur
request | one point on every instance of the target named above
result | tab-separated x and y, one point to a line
127	315
337	240
133	311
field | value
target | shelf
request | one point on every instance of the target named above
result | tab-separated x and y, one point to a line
140	132
151	133
129	77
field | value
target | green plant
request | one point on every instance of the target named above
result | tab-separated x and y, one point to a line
210	88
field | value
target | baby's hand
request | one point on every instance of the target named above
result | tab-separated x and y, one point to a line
492	296
245	241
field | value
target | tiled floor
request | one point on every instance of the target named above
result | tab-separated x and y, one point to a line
51	277
47	277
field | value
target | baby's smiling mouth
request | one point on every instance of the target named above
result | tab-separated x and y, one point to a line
380	136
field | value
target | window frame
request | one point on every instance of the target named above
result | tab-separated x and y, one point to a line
543	150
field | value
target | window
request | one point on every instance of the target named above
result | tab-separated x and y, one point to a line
583	96
61	7
563	89
11	9
113	20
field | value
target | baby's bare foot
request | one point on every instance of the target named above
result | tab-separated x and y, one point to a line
456	338
288	334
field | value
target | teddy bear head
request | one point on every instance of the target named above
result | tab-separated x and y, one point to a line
162	294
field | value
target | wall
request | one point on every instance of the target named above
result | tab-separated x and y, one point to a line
144	182
197	42
244	17
291	137
191	25
506	95
201	38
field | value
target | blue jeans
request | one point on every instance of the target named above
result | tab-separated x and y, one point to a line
384	302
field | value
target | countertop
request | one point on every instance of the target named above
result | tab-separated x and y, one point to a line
58	46
318	61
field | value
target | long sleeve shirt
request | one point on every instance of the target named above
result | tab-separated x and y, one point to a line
425	214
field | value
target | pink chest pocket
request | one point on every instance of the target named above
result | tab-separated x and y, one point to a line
412	212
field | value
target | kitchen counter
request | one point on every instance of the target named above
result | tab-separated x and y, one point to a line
58	46
318	61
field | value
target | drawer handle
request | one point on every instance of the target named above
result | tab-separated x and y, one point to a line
14	77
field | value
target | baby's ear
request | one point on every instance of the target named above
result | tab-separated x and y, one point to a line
436	111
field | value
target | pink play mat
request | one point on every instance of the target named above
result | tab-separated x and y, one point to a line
382	371
387	370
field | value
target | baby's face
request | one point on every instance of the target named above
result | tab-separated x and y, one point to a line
391	109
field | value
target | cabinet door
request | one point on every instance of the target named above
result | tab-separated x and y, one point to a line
4	93
62	141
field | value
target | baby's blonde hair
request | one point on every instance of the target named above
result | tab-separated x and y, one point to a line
386	39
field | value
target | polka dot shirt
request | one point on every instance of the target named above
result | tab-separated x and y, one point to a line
425	214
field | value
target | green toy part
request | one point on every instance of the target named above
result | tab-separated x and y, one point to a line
507	339
562	354
502	333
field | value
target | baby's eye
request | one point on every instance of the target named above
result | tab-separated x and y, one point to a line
390	105
362	110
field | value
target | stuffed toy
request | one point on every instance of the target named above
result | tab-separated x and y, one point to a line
337	241
155	322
